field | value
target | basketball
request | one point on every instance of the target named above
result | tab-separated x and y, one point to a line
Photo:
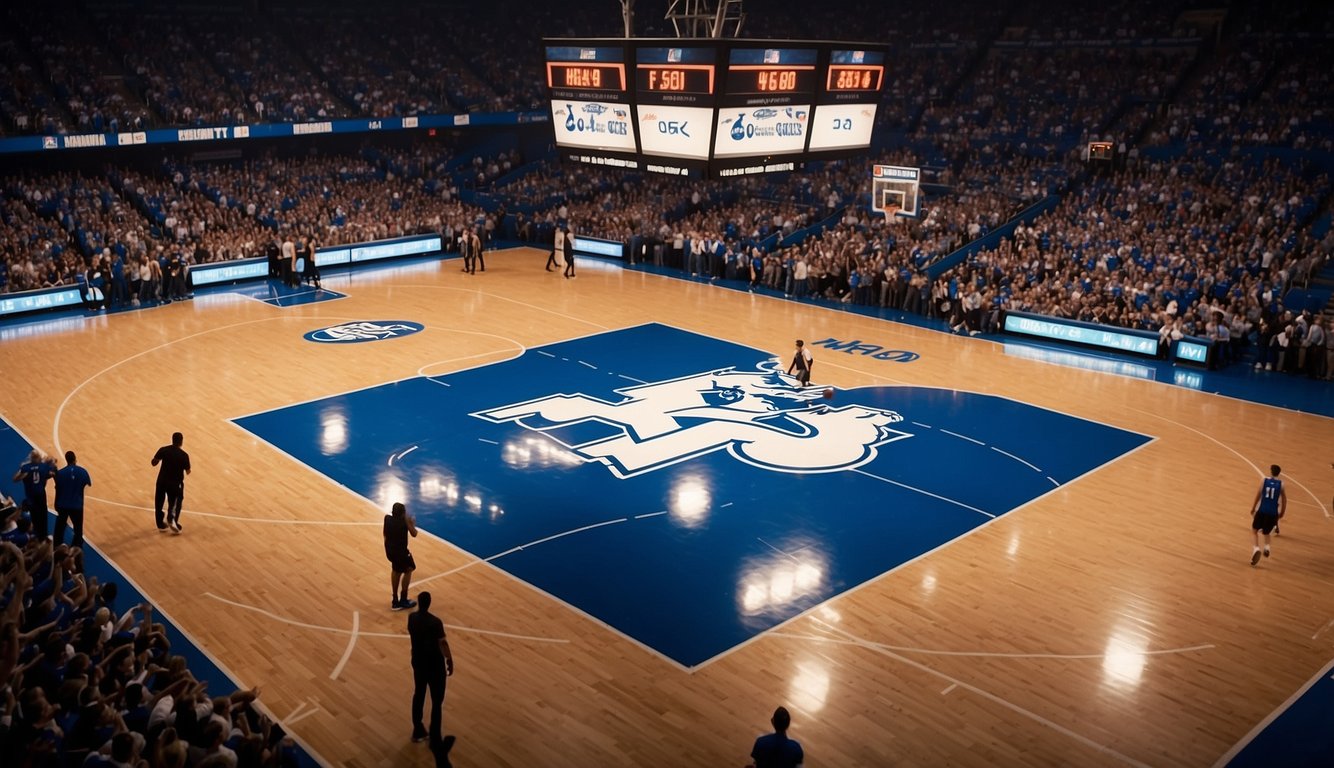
829	393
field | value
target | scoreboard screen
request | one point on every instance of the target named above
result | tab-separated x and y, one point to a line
590	103
847	102
765	108
712	107
675	89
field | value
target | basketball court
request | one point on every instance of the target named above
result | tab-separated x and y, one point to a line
643	535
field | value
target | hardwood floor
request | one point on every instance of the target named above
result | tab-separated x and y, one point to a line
1115	621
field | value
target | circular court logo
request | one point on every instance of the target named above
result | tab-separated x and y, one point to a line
365	330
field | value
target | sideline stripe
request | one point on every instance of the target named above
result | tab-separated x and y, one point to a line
1082	739
924	493
351	643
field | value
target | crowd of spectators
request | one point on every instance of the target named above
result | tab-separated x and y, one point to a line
993	106
80	75
1074	72
175	78
124	229
86	680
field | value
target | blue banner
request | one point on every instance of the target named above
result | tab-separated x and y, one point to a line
257	268
597	247
1076	332
264	131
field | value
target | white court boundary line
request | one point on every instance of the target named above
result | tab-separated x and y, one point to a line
239	519
1265	723
354	632
1318	501
923	492
1082	739
351	644
987	654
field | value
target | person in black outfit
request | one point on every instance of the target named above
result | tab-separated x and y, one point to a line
170	482
432	663
274	254
557	245
776	750
569	252
398	525
465	250
302	259
312	273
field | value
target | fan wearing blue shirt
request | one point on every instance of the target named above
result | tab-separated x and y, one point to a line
34	475
70	482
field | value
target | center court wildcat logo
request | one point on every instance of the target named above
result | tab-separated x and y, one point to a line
366	330
762	418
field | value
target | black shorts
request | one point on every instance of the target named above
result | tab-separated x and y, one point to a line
1264	523
402	561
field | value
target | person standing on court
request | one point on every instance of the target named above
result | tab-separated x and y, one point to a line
34	473
70	482
478	252
432	664
568	250
398	525
291	278
558	246
802	362
465	250
776	750
175	465
1271	503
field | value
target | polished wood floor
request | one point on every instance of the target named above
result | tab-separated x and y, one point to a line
1117	621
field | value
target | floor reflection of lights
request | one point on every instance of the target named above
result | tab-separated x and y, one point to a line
810	686
389	488
333	431
1123	661
781	580
532	452
690	501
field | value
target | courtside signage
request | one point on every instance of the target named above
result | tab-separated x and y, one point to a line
365	330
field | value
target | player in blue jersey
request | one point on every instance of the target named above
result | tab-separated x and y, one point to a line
1271	503
34	475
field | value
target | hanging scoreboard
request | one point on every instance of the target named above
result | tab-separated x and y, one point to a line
712	107
675	89
848	98
764	110
590	103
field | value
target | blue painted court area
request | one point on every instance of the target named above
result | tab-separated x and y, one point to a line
678	488
1300	734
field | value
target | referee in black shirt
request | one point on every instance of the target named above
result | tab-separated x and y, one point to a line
175	465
